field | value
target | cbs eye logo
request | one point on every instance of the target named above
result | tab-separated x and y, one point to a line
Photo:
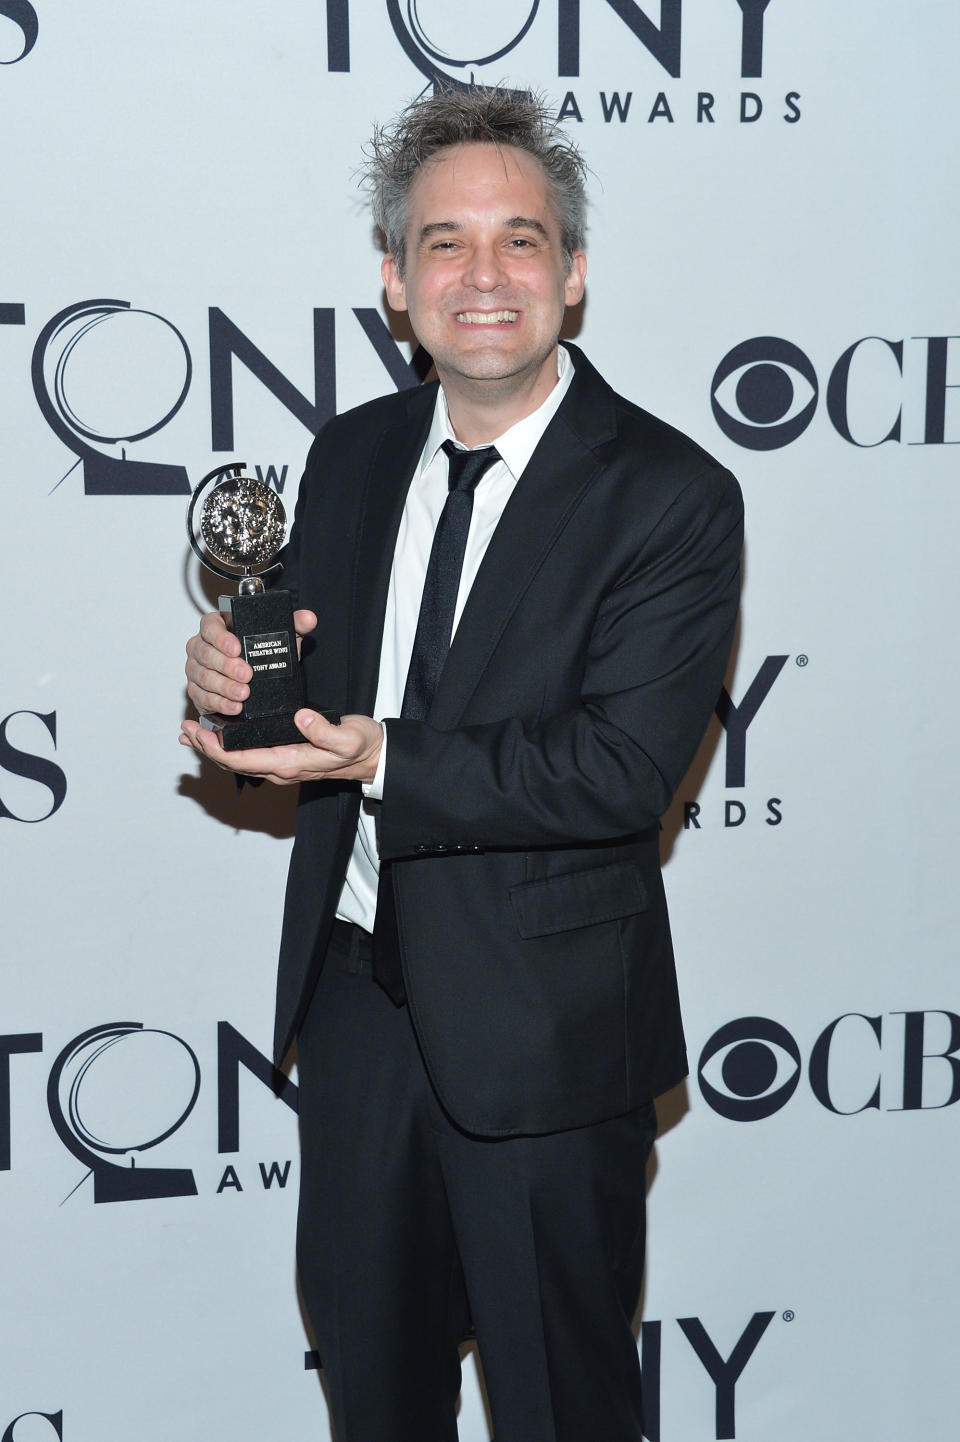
749	1069
764	393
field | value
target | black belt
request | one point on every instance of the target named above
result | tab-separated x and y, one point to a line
362	954
354	947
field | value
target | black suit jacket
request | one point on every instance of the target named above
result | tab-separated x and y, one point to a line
522	816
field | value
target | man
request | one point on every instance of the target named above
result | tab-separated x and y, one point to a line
482	1028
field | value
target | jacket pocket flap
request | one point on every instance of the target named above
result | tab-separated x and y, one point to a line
578	898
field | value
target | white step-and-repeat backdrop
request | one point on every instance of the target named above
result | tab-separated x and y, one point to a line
189	275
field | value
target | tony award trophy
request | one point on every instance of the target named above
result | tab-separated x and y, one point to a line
242	527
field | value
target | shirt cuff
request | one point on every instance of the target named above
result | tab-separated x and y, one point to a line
373	790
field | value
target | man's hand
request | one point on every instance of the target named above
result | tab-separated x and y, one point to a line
217	678
218	681
348	752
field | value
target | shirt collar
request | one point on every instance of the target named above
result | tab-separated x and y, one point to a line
517	444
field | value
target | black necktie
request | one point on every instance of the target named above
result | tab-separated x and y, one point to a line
442	581
431	644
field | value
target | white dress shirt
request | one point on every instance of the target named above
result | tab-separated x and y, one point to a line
421	511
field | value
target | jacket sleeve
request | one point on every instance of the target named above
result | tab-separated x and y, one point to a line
609	766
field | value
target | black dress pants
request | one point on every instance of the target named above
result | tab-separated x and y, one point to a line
409	1226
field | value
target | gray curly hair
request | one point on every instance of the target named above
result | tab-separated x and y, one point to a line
461	116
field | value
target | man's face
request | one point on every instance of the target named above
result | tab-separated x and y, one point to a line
485	281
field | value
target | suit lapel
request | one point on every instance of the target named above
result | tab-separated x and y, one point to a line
387	483
562	468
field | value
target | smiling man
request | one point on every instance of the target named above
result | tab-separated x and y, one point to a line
531	584
486	278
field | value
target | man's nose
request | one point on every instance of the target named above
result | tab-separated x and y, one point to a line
485	270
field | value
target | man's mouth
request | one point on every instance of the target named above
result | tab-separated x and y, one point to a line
487	317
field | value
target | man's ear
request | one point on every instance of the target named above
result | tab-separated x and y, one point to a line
575	277
393	284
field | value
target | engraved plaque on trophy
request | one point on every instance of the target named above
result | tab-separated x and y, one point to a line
242	526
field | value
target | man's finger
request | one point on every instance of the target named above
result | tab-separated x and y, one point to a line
209	701
351	744
323	734
304	622
213	630
208	658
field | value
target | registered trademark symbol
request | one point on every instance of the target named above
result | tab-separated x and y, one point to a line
803	659
789	1315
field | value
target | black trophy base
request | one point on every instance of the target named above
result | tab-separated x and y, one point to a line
279	730
263	624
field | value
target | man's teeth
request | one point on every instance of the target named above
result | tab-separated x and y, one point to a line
487	317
